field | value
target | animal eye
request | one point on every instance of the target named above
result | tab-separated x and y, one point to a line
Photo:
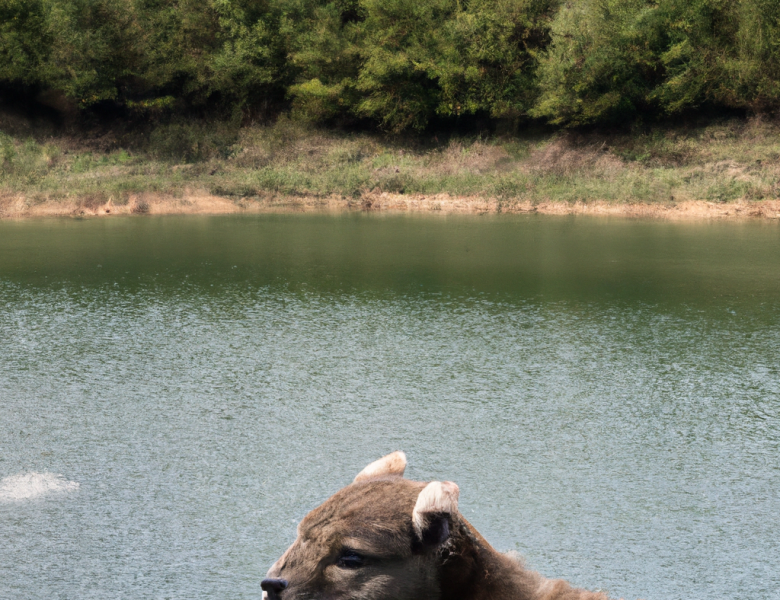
349	559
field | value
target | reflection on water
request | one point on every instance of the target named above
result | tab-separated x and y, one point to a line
28	486
605	393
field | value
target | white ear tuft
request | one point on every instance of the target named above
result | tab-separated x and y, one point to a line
437	497
392	464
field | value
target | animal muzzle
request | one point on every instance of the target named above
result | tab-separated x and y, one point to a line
273	587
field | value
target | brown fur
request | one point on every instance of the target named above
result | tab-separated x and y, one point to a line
374	518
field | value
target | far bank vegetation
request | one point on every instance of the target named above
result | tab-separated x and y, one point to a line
519	100
731	160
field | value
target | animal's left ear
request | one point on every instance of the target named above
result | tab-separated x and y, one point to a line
436	506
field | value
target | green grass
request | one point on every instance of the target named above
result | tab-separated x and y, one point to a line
721	162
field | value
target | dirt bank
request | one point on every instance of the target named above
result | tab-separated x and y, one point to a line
16	207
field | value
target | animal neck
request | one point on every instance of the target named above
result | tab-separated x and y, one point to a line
475	570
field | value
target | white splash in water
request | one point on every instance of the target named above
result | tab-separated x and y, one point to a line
27	486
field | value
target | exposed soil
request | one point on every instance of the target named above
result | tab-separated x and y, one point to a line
15	207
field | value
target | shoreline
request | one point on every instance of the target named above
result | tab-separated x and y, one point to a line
721	170
18	207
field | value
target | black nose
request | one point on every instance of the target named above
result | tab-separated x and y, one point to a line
273	585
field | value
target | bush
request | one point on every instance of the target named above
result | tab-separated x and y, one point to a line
612	60
402	62
189	142
395	63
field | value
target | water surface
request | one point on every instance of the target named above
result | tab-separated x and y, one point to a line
605	392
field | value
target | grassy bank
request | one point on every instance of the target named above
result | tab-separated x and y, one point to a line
731	161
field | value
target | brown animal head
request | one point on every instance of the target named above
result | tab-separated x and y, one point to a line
387	538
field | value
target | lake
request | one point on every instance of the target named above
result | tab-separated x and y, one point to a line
177	392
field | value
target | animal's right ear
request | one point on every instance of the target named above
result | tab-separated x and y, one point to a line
392	464
434	511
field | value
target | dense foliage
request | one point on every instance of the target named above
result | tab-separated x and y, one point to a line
612	59
399	63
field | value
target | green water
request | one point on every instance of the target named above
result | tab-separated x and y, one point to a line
605	392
